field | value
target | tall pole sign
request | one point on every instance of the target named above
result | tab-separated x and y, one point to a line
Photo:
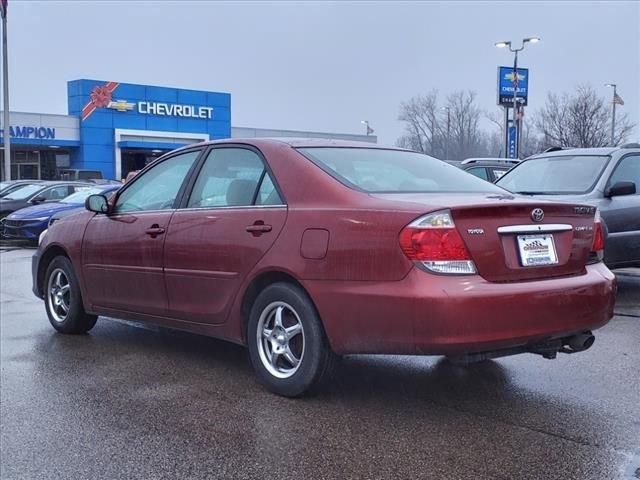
514	85
516	151
5	93
513	93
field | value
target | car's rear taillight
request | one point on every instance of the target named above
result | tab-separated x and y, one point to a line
597	245
433	242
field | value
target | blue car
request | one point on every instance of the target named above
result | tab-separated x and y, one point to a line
28	223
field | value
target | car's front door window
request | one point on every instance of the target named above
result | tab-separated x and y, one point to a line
158	187
628	170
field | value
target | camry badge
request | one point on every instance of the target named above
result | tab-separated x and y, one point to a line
537	214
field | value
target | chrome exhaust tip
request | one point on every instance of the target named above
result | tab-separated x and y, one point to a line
581	342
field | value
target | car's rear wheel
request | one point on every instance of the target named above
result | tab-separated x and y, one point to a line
287	344
63	300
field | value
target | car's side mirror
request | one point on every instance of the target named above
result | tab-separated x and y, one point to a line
38	199
620	188
97	203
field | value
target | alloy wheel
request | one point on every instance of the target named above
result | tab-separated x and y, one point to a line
59	295
280	339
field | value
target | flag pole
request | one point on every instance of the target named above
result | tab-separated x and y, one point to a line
5	95
613	117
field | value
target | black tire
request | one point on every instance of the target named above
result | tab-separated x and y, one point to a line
316	358
75	320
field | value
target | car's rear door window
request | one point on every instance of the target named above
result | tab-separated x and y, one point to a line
267	193
233	177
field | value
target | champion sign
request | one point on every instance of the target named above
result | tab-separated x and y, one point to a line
31	132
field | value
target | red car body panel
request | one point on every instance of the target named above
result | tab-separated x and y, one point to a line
460	315
207	255
122	264
342	246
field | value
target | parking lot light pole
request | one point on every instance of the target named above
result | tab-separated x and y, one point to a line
515	51
613	112
5	96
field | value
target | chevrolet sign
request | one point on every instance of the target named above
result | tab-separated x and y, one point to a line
121	105
175	110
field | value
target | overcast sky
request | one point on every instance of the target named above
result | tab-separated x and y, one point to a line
321	66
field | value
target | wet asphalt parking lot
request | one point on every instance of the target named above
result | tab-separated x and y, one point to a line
133	401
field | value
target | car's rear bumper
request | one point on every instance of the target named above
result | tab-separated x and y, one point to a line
429	314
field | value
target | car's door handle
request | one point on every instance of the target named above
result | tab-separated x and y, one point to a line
154	231
258	228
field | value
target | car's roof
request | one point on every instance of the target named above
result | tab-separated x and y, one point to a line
576	151
50	183
481	163
25	182
489	160
301	142
28	180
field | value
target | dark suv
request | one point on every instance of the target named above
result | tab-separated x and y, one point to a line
608	178
489	169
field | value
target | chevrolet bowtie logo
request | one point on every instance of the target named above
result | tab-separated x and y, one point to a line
511	76
121	105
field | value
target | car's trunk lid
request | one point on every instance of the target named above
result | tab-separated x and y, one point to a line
505	241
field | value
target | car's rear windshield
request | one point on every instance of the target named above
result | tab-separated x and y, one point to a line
561	175
393	171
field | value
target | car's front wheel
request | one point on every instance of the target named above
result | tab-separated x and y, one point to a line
63	300
287	344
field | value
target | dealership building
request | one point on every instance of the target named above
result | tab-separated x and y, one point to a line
119	127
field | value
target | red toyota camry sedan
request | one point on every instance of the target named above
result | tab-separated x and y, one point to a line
303	250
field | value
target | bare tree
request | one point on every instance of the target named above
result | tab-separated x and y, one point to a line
581	119
495	139
451	132
466	138
420	115
531	141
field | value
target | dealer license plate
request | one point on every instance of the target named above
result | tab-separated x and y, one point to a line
537	250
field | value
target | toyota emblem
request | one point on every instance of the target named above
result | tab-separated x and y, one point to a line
537	214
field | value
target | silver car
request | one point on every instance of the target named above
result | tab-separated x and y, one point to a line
608	178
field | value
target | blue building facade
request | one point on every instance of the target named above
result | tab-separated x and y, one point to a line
119	120
118	127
